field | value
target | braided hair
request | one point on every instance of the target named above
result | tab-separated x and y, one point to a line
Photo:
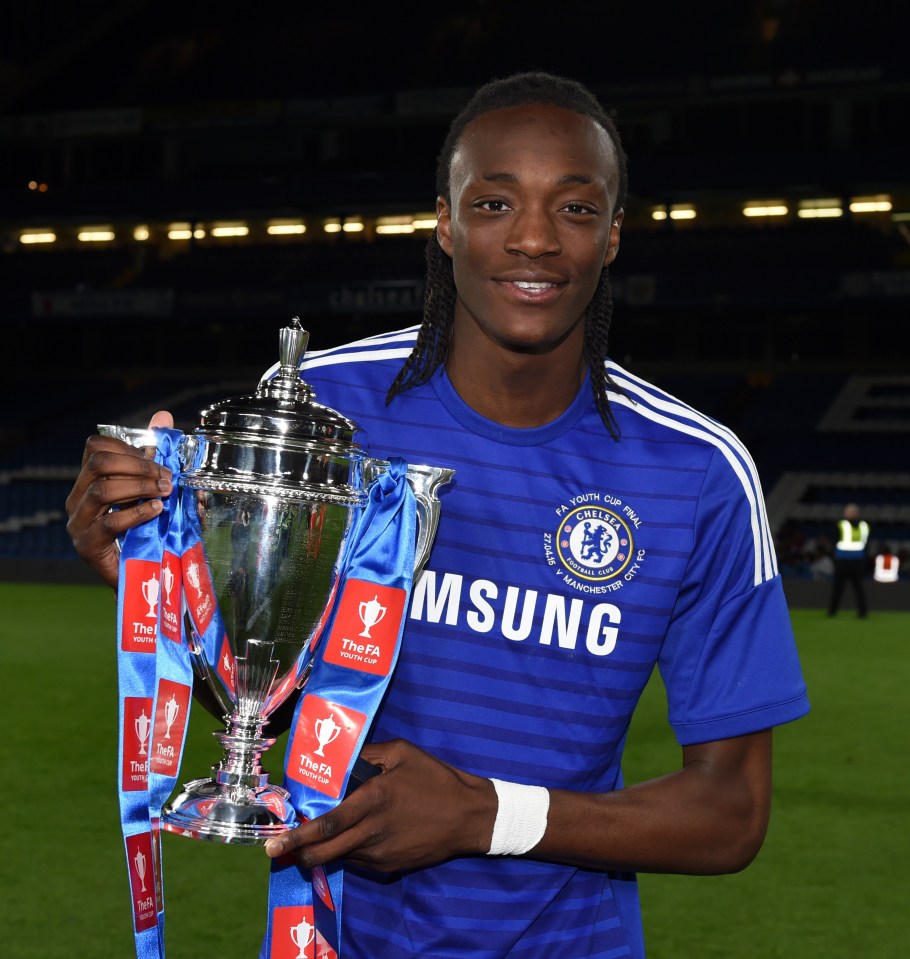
435	334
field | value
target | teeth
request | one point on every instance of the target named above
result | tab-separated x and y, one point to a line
525	285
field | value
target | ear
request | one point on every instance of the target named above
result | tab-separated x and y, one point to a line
613	242
444	225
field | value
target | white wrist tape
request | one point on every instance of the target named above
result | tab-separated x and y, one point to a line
521	819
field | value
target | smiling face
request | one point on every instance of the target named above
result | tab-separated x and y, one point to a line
530	226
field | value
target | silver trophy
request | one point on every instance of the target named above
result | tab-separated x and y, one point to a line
278	480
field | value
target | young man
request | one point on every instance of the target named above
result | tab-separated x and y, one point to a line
595	527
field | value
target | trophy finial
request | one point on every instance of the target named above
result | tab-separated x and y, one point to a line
287	384
292	344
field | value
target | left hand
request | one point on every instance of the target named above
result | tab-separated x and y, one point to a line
417	812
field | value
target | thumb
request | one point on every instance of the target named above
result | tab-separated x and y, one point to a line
162	418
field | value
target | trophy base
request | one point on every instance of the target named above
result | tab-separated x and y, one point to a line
210	811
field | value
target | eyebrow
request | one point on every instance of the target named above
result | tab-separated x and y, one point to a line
566	180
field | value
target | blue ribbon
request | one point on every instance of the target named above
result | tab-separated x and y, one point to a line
355	663
163	572
147	719
155	679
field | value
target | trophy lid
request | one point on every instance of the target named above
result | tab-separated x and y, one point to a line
279	440
283	409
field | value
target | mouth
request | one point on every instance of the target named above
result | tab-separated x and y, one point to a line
533	287
531	291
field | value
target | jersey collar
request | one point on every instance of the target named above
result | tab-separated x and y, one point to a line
510	435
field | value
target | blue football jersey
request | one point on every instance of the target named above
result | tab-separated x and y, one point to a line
566	566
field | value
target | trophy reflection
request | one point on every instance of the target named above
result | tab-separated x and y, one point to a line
277	480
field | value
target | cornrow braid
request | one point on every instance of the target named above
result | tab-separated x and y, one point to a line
594	350
432	345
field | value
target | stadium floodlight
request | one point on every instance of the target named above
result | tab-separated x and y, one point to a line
95	234
230	229
332	226
285	227
659	213
820	209
681	211
183	231
755	208
29	237
424	221
395	224
352	225
871	204
141	233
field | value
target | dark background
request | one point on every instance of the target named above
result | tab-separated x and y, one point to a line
126	114
134	112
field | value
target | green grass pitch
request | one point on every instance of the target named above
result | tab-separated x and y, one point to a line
829	883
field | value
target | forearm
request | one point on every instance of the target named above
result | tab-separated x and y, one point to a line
705	818
709	817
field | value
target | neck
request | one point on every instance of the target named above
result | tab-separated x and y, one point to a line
515	389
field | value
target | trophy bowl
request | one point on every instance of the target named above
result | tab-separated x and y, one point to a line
277	480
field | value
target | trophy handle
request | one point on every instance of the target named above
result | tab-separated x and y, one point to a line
135	436
425	481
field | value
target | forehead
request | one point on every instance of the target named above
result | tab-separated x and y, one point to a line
533	136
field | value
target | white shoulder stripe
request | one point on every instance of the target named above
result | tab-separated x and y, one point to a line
336	354
314	360
671	404
721	438
408	335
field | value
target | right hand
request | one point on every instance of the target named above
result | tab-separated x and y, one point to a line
114	474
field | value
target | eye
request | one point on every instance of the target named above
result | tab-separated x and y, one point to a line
579	209
492	206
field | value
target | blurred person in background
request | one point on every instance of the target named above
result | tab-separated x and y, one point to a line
887	565
850	561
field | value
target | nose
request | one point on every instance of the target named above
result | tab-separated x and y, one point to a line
533	233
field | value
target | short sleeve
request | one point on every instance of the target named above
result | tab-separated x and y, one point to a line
729	659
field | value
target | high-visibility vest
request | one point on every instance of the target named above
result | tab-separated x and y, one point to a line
886	568
853	537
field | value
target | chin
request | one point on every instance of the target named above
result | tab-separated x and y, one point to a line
533	340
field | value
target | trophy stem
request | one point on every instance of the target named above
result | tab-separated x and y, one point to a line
243	745
239	804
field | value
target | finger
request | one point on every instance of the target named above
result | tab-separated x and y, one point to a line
110	478
94	538
108	491
98	443
298	837
119	521
386	755
162	419
106	455
123	462
323	839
